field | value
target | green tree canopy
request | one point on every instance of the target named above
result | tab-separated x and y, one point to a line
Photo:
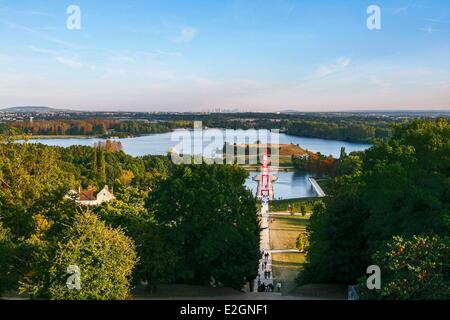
104	256
402	188
417	268
210	220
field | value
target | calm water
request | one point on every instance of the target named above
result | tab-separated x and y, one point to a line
159	144
288	185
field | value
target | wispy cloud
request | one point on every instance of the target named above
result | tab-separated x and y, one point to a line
431	30
433	20
40	34
340	65
69	62
59	56
400	10
187	34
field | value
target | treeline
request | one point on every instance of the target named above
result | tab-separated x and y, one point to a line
388	206
92	127
320	164
167	225
336	126
335	129
350	129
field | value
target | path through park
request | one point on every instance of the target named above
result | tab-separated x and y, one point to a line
264	264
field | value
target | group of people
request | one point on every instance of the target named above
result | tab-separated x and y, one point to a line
265	257
262	287
265	288
267	273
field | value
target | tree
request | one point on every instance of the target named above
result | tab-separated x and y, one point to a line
414	268
156	259
126	178
399	188
31	180
104	256
101	167
302	242
7	251
210	220
303	209
94	168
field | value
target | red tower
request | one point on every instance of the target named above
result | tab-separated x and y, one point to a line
265	188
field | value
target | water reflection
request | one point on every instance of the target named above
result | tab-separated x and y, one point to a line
159	144
288	185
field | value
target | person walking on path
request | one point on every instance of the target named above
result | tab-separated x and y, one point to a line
279	286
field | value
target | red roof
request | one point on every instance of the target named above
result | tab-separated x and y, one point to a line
88	195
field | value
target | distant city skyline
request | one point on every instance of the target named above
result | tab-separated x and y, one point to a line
249	55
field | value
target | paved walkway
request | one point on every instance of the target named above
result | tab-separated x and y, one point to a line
285	251
264	264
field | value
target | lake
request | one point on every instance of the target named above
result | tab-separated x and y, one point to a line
159	144
289	184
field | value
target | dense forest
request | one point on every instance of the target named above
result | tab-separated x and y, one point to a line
345	130
388	206
92	127
163	226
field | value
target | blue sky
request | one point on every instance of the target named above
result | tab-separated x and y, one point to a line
259	55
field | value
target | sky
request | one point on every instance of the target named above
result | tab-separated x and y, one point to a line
251	55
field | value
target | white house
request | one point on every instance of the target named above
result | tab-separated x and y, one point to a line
90	197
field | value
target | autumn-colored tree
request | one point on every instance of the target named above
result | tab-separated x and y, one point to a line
302	242
126	178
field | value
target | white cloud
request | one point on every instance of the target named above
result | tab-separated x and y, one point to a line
340	65
187	34
69	62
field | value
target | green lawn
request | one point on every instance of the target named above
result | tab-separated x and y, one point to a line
325	184
282	205
284	231
285	268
